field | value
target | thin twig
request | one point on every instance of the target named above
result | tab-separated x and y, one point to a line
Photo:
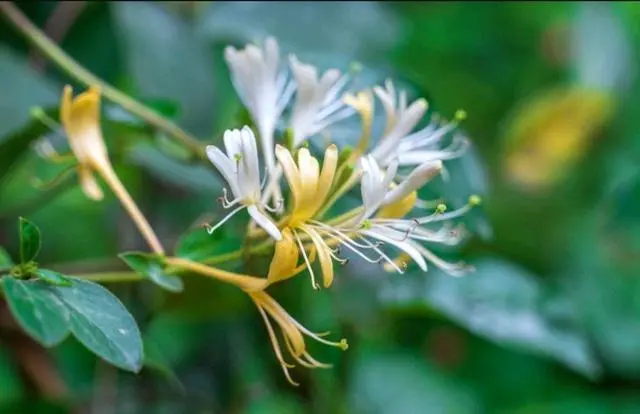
78	72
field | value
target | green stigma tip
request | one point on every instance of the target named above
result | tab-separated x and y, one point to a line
366	224
441	208
237	157
37	112
461	115
305	144
355	67
344	345
475	200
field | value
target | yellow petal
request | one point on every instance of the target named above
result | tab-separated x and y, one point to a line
89	184
285	259
400	208
363	103
324	257
309	174
283	319
329	166
290	169
80	118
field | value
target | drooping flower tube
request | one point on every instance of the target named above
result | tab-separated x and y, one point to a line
240	168
80	118
293	333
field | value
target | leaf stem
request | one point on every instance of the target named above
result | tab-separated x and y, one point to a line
75	70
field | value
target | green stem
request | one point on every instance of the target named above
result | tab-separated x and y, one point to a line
75	70
112	277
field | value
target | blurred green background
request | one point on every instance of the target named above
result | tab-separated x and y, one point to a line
549	322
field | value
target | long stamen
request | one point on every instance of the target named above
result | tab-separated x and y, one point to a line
276	346
306	260
383	255
445	216
331	231
347	243
310	362
342	344
210	229
225	200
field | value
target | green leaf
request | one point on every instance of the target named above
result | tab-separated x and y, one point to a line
101	323
37	309
53	278
5	260
199	245
29	241
396	381
505	304
152	268
152	39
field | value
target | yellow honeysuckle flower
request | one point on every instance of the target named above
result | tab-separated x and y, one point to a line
80	118
309	187
292	332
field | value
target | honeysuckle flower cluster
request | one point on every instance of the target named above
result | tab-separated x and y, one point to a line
289	107
291	198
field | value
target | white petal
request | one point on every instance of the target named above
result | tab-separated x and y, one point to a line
418	177
265	222
226	167
250	156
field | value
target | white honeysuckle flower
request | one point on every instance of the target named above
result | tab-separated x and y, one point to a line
318	102
263	87
240	168
364	234
413	148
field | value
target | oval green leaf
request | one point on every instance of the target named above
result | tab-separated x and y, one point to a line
37	309
152	268
101	323
29	241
